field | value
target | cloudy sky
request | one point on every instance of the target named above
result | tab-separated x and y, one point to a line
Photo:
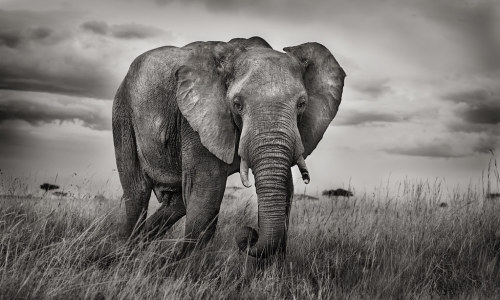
421	101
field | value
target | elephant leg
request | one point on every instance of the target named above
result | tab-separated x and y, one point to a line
203	200
136	184
204	179
171	211
136	199
289	197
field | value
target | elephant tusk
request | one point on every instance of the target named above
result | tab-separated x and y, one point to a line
301	163
244	173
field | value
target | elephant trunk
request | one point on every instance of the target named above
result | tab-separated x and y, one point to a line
271	162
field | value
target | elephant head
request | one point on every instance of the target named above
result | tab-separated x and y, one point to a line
271	107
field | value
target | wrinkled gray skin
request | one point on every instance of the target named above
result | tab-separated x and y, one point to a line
184	119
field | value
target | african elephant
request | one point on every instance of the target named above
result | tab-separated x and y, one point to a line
184	119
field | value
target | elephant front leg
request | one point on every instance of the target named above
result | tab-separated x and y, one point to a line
204	179
203	196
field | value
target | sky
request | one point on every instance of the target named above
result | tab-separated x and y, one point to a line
421	99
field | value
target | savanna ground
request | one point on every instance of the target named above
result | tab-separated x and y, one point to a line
399	242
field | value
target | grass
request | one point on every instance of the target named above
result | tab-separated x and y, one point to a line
400	243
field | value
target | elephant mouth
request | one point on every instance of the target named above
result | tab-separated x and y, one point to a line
301	164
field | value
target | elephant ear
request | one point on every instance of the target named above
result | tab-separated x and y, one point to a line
201	99
324	80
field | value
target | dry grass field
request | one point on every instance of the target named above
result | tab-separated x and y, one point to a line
397	243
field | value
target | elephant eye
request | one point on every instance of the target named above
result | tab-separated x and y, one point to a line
237	104
302	103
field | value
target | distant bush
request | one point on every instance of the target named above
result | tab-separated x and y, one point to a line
338	192
493	195
48	187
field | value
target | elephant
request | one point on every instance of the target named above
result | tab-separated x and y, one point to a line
185	118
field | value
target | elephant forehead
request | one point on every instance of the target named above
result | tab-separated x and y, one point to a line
266	76
266	61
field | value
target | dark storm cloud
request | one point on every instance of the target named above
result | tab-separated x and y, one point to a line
276	7
468	26
474	96
37	109
372	88
14	38
482	114
134	31
353	118
43	58
46	52
122	31
462	126
10	39
90	80
22	19
41	32
476	111
477	23
227	4
438	150
96	27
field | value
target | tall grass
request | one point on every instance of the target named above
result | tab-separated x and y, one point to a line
399	244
